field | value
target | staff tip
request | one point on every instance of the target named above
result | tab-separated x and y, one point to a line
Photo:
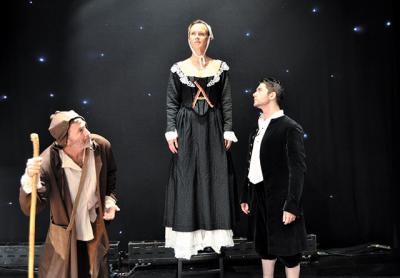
34	136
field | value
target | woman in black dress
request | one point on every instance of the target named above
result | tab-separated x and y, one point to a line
201	193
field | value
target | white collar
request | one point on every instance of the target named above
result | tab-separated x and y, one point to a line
68	162
262	123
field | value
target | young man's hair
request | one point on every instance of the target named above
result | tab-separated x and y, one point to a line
274	85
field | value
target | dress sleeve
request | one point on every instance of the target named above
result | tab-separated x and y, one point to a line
226	101
297	167
173	103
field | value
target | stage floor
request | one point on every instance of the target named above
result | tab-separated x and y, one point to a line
375	265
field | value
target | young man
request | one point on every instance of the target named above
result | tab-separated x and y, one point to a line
77	166
275	180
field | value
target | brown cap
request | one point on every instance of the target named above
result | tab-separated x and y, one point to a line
59	125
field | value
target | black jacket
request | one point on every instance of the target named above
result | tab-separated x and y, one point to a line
282	159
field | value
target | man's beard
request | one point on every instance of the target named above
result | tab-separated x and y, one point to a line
87	143
81	145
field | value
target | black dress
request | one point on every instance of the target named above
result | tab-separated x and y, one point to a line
201	191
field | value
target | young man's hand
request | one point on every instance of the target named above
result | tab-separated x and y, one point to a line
245	208
288	217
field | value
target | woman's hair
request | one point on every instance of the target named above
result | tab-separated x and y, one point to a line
199	21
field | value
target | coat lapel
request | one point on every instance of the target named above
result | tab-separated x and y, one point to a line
270	130
97	247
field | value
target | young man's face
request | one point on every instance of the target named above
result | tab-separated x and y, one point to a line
262	96
78	135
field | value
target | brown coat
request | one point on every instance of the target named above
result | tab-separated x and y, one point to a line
56	194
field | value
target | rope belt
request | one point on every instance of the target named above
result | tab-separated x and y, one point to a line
203	97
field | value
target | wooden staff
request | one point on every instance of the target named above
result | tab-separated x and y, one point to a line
32	218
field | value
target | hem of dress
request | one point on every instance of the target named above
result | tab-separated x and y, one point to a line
186	229
187	244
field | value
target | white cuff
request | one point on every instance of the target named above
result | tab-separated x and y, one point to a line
110	202
26	183
170	135
230	135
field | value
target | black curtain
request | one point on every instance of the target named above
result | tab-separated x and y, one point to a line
110	60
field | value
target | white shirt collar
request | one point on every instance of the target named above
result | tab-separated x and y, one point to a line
67	162
265	122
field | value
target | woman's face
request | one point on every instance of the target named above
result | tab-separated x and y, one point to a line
198	36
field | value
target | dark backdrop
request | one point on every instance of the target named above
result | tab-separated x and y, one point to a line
110	60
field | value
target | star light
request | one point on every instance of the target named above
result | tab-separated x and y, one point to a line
3	97
315	10
141	27
388	23
247	91
101	54
287	70
357	29
41	59
305	136
85	101
149	94
247	34
51	95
